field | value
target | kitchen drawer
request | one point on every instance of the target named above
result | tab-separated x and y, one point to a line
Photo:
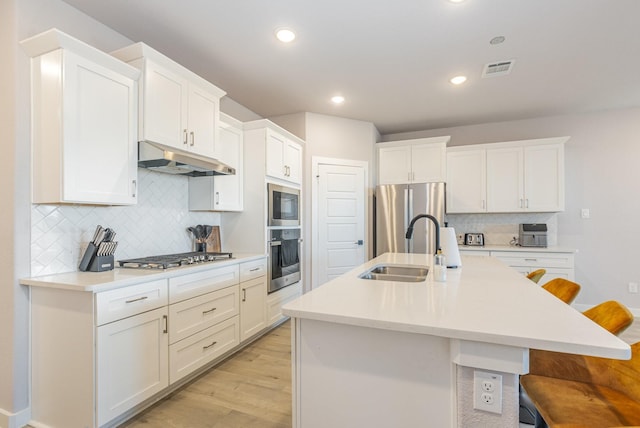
190	354
124	302
536	259
196	314
195	284
254	269
480	253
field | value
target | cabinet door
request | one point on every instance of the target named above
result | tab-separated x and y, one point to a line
394	165
544	177
228	189
165	97
293	162
428	163
275	155
202	121
466	181
505	186
253	307
132	362
99	148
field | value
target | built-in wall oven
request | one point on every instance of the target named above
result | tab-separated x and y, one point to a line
284	205
284	258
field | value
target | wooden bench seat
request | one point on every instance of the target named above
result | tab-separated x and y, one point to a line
572	391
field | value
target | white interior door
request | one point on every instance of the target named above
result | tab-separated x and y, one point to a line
341	221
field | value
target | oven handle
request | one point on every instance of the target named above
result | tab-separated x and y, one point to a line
275	243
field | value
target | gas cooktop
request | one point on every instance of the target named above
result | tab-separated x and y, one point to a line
173	260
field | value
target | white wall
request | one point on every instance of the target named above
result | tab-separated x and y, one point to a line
602	174
331	137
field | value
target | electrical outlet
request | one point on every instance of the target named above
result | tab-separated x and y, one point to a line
585	213
487	391
633	287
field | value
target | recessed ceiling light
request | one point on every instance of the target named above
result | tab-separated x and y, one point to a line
285	35
456	1
458	80
338	99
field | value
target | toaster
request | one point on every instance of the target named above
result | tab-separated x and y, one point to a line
474	239
533	235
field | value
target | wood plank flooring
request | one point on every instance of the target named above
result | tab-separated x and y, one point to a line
250	389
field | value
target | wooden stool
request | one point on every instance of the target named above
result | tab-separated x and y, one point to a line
536	275
563	289
612	315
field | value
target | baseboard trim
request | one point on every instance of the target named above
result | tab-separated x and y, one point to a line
14	420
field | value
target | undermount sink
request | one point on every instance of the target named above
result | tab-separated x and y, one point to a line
399	273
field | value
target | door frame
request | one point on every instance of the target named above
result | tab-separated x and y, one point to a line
316	161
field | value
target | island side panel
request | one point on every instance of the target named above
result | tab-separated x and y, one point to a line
358	376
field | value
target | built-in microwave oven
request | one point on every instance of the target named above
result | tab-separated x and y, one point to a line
284	205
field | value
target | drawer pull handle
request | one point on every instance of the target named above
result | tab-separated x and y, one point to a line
209	311
531	260
204	348
137	300
165	320
255	269
244	294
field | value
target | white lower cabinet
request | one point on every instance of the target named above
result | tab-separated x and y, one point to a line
253	300
97	356
557	264
276	300
131	362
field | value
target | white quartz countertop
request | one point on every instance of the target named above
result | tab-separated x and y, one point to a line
122	277
553	249
483	301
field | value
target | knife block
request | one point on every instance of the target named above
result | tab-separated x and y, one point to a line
101	264
93	263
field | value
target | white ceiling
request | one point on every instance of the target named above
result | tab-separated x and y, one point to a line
392	59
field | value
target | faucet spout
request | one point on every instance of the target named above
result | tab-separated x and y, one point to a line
435	222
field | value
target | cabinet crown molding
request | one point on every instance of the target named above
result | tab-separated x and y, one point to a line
53	39
517	143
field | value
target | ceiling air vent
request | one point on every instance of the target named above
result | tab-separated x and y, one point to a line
501	68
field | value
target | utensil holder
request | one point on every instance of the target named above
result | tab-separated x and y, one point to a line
201	247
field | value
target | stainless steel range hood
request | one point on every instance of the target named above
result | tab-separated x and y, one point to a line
161	158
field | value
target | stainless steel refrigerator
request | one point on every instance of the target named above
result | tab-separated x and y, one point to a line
396	205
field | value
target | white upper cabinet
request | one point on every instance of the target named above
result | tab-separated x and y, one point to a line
283	157
222	192
466	180
520	176
178	108
84	123
421	160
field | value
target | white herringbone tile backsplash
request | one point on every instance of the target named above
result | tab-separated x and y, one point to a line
156	225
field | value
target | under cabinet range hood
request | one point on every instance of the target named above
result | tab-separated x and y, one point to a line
161	158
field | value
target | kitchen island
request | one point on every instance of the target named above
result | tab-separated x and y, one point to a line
388	353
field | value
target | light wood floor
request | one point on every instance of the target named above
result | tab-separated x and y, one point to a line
250	389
